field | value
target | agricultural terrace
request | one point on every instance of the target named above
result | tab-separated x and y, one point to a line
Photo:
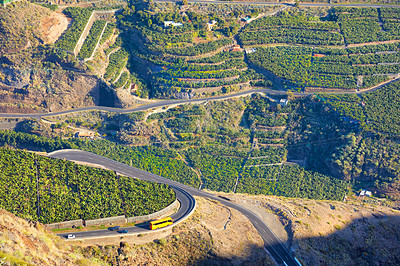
376	111
52	190
339	51
169	52
196	55
211	146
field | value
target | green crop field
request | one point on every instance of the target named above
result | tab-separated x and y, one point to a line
51	190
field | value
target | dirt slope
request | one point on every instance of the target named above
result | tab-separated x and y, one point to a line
53	26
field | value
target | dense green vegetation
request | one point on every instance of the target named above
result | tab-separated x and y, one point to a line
219	173
323	67
122	80
201	48
108	32
307	67
171	50
376	111
152	159
361	25
202	146
290	181
267	155
191	133
92	39
80	17
117	61
52	190
291	29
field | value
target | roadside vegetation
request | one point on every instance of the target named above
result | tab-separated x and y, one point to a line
92	39
321	146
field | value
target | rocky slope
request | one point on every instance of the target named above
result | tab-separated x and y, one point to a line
35	77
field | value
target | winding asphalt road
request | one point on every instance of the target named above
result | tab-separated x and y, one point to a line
278	4
185	193
166	103
142	107
188	204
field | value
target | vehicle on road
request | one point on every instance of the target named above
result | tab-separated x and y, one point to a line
113	228
70	236
122	231
161	223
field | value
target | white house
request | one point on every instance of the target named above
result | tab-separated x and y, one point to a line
211	24
251	50
365	193
283	102
171	23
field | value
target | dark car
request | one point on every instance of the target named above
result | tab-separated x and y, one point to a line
123	231
113	228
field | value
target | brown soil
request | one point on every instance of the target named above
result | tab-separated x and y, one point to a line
53	26
213	235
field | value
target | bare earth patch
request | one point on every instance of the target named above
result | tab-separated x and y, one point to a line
53	26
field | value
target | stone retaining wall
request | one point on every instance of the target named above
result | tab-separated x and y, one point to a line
84	34
67	224
154	215
88	26
113	220
106	221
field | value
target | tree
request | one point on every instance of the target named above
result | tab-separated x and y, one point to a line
290	95
296	4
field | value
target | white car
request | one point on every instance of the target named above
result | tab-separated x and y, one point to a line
70	236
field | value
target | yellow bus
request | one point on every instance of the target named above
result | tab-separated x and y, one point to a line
161	223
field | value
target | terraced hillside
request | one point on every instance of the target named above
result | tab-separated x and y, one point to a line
232	146
197	54
164	50
191	58
351	48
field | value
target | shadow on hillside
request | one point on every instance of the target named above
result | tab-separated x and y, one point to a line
107	96
373	240
256	256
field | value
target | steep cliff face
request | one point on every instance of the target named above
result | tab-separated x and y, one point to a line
44	92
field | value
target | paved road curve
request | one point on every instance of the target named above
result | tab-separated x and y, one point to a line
187	202
271	242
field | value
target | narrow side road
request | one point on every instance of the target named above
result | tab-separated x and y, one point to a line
165	103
